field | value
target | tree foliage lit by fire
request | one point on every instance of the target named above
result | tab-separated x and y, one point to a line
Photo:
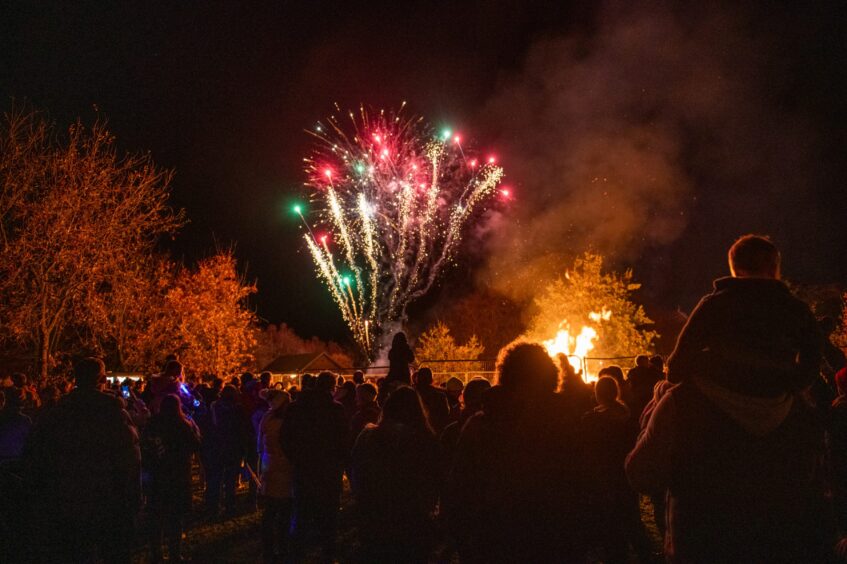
586	296
79	274
437	344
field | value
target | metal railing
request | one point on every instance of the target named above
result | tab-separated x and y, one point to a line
466	369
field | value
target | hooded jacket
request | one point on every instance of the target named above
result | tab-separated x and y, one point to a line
751	336
741	475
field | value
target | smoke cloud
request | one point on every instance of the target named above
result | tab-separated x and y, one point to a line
614	139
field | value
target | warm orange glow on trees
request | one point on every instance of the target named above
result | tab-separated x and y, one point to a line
74	215
214	326
587	296
436	343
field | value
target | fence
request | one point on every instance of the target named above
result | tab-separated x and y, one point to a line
467	369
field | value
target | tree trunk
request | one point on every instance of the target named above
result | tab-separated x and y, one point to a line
43	356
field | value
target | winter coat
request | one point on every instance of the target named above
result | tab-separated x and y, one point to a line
399	359
14	430
275	470
168	446
837	447
161	386
437	408
231	433
396	477
84	459
314	438
368	413
606	435
514	493
741	476
640	381
751	336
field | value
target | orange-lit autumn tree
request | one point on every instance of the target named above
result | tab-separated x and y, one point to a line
623	328
438	345
128	319
74	214
214	325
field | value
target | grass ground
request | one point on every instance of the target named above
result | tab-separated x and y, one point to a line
236	540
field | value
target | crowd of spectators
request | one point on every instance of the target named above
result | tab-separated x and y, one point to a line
741	448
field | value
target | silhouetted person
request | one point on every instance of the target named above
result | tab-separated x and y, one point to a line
276	478
367	410
14	425
434	400
577	396
170	440
733	444
607	434
471	404
85	471
640	380
838	448
230	433
164	384
395	478
315	441
658	363
615	372
750	335
515	494
400	357
453	387
358	377
346	396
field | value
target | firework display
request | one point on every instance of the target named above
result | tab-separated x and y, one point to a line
392	200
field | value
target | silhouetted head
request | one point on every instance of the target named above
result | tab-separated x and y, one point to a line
642	361
325	382
472	395
247	378
453	386
358	377
754	256
657	362
171	407
307	382
14	398
173	370
365	394
525	368
423	377
614	371
50	395
19	379
276	399
217	384
607	391
89	372
229	393
265	378
404	406
399	340
346	391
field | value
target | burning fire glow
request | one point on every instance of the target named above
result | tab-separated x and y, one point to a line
576	346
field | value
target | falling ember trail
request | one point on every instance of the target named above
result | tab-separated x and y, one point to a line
398	198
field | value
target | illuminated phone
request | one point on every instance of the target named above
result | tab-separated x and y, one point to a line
125	391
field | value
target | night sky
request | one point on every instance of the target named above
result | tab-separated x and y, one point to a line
652	135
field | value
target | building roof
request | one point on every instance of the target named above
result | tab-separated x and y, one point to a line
298	363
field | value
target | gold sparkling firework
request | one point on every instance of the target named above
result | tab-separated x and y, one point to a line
394	199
